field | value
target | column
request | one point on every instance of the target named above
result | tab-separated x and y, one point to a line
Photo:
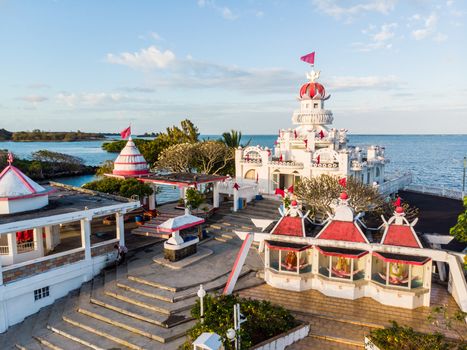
38	241
120	221
86	237
1	279
215	195
235	199
12	247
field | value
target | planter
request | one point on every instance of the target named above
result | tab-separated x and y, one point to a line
279	342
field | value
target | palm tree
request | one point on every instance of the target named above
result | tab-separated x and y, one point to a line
233	139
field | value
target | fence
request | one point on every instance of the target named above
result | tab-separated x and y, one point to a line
436	191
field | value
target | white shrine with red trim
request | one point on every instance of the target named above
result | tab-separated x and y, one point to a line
311	148
130	162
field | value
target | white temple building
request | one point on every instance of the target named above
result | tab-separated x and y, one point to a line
52	239
309	149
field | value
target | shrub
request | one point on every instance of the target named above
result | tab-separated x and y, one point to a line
264	320
122	187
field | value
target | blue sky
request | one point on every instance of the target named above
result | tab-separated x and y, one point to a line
390	66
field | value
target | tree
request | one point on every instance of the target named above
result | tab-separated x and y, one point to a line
178	158
459	230
193	198
105	168
214	157
233	139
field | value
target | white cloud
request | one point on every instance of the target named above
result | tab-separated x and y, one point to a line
428	29
88	98
345	83
224	11
386	32
335	9
379	39
155	36
34	99
148	58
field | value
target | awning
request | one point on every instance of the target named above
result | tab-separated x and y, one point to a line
180	223
296	247
402	259
342	252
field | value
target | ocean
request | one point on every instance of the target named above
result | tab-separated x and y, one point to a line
434	160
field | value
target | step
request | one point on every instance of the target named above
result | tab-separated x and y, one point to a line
55	341
115	334
150	303
32	344
160	334
337	340
84	337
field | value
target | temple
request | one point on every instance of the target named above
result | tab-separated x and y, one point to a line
309	149
52	239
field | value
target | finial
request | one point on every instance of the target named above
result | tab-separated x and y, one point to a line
10	158
313	75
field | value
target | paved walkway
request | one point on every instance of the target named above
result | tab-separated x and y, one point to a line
342	320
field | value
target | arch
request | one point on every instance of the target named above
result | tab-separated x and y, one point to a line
250	174
252	152
326	155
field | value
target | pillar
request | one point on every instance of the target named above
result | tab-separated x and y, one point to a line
120	222
12	247
215	195
52	237
38	240
1	282
86	237
235	199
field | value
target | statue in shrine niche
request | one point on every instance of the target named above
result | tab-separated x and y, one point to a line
343	268
291	260
398	274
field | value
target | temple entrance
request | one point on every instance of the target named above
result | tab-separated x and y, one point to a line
283	181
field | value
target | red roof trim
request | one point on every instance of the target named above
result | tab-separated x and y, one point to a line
342	231
351	256
123	163
20	175
272	247
379	256
32	195
130	172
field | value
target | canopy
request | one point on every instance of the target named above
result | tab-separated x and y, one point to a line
296	247
342	252
180	223
404	259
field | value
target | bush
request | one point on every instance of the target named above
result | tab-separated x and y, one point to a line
405	338
264	320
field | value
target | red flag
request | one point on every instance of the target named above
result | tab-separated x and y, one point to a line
321	134
279	192
257	178
318	159
295	133
125	133
280	158
310	58
10	158
306	143
236	186
343	182
397	202
290	189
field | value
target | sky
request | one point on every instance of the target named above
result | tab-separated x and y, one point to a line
391	67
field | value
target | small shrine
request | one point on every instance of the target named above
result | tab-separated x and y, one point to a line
18	193
339	259
130	162
311	148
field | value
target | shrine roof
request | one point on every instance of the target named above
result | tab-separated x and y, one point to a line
348	253
64	200
182	179
287	245
401	258
289	226
401	235
342	231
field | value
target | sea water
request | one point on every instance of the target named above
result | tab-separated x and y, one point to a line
434	160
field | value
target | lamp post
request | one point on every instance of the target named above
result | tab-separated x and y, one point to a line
231	335
201	294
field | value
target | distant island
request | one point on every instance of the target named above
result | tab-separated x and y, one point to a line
49	136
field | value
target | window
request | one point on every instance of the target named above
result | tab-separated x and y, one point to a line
41	293
315	105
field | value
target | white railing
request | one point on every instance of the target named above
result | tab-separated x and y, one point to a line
286	164
395	184
25	247
437	191
4	250
247	188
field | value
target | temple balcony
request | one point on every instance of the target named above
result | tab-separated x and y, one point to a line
322	117
328	166
285	164
251	161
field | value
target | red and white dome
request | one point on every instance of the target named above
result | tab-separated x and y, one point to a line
130	162
19	193
312	90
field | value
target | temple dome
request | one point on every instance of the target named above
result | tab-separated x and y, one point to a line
312	90
130	162
19	193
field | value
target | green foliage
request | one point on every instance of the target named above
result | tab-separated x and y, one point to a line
233	139
194	198
446	321
38	135
405	338
459	231
264	320
5	135
122	187
105	168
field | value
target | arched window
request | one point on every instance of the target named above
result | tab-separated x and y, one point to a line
250	174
